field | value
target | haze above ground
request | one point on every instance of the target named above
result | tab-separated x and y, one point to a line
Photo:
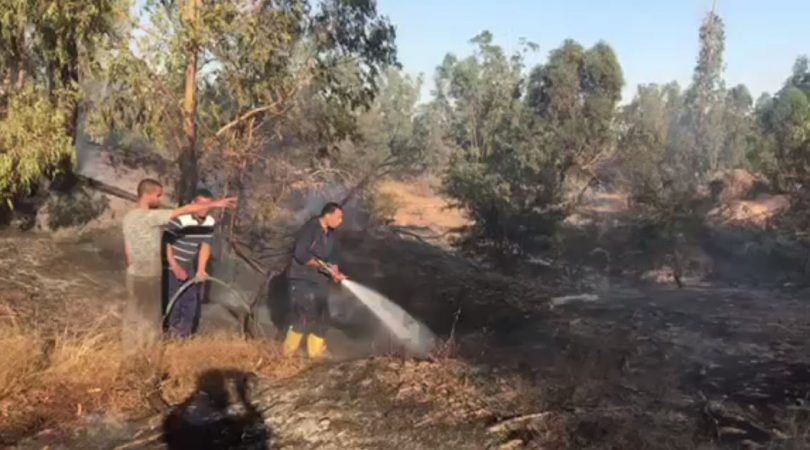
656	40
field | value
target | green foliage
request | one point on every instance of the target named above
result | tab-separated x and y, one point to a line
390	129
740	140
481	98
33	142
574	96
787	123
262	56
46	47
518	137
702	133
671	143
784	124
50	41
649	123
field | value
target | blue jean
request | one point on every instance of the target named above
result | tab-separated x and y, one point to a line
184	315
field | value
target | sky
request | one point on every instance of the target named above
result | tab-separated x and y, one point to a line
656	40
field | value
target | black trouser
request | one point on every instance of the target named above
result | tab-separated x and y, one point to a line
309	306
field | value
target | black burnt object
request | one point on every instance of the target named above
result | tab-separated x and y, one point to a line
217	416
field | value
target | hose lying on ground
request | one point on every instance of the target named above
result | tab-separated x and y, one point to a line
191	281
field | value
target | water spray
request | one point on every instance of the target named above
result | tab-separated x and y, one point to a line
413	335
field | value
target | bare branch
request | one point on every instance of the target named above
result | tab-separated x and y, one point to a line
250	114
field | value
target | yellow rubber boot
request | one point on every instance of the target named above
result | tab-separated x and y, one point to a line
291	342
316	346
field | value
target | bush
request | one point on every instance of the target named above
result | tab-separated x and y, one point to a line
513	201
34	142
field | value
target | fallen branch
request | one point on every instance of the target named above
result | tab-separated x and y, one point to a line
107	189
243	117
407	231
413	235
503	426
141	443
564	300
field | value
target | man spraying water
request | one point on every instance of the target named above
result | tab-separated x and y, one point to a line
309	273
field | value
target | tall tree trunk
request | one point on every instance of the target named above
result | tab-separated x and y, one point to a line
6	87
188	154
70	76
22	65
21	76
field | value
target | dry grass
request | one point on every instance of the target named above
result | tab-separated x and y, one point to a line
19	360
61	355
54	381
185	361
419	205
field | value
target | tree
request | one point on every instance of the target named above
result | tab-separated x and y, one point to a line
255	58
789	124
33	143
484	90
649	123
48	48
801	75
574	98
784	122
702	131
481	97
740	138
50	42
389	129
187	159
519	138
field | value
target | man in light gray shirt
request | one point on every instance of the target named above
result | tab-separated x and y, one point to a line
143	228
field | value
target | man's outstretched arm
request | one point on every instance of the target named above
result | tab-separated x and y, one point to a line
193	208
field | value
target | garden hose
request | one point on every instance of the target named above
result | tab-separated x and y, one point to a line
191	281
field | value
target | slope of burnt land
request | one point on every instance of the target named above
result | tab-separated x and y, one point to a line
638	366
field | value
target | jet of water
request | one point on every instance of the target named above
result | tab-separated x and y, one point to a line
414	336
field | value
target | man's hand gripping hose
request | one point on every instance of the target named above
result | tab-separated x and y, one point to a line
330	270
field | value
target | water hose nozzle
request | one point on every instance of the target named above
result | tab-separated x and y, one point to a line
324	267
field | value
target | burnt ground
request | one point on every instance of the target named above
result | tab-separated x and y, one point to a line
641	366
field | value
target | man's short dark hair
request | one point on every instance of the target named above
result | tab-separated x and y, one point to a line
147	186
330	207
204	193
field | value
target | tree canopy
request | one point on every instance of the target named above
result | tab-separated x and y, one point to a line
47	49
238	92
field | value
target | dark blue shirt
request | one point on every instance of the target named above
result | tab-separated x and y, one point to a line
312	241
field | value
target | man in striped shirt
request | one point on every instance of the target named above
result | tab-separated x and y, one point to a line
188	252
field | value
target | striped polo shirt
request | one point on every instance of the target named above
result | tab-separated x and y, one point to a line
186	234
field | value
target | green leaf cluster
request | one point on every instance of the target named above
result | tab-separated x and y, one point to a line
33	142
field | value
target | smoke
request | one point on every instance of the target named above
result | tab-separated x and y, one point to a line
414	336
307	203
